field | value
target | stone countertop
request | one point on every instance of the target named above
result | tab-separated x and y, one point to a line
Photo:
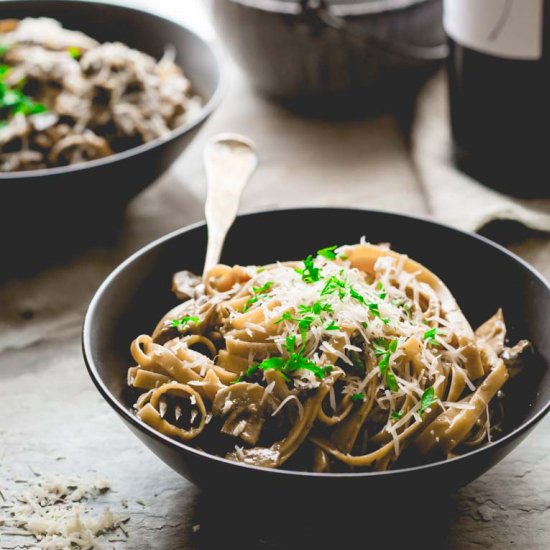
52	419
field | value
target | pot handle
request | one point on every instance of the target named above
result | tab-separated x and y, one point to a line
319	11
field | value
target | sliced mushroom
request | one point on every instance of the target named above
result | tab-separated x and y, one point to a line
267	457
79	148
510	356
243	403
185	285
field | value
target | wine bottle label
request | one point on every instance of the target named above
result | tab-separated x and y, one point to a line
502	28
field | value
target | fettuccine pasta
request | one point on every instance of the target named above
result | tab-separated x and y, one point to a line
355	358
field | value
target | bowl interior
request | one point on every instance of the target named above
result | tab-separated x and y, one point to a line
482	276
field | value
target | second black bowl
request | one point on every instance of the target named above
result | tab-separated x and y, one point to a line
482	275
68	204
335	58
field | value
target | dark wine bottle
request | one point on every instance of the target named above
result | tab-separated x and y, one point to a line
499	75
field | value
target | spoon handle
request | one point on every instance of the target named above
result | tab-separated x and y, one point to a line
230	161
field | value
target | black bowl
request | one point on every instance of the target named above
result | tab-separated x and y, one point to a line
65	204
334	58
482	275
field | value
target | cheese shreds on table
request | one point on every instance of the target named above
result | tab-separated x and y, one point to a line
56	511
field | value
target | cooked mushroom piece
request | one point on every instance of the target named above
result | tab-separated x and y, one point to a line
267	457
184	285
511	355
243	403
78	147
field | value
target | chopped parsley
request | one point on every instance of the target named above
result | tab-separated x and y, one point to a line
74	52
3	49
307	316
427	400
13	100
382	294
429	336
374	308
354	294
316	308
333	285
358	396
310	273
391	381
384	349
294	362
185	321
396	415
328	252
290	344
304	323
259	292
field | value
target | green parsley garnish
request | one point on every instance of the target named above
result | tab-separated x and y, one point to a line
400	302
396	415
427	400
316	308
13	100
74	52
384	349
304	323
343	257
3	49
307	316
328	252
185	321
391	381
333	285
374	308
295	361
290	344
382	294
358	396
259	292
310	273
354	294
430	335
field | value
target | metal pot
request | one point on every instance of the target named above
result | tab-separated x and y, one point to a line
334	56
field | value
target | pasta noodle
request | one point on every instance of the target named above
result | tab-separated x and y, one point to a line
356	358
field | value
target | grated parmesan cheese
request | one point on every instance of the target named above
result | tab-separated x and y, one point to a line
51	510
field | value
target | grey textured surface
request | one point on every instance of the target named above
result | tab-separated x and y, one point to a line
53	420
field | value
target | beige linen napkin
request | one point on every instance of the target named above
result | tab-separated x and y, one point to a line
454	197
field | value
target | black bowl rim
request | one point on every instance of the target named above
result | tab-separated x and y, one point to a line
205	112
144	428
